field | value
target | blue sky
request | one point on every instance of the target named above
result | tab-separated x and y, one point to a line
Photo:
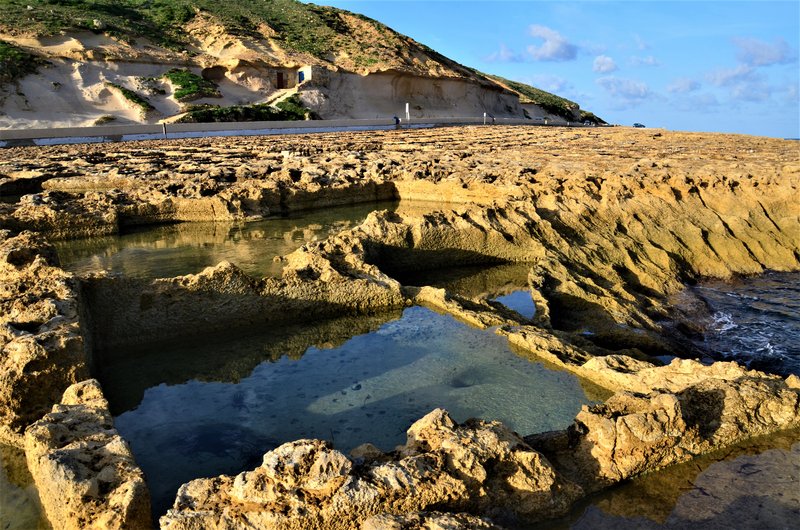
728	66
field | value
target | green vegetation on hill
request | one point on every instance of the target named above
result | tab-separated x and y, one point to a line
590	117
16	62
159	20
301	27
317	30
289	110
191	86
550	102
324	32
132	96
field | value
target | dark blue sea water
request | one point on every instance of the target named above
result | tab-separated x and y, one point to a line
754	320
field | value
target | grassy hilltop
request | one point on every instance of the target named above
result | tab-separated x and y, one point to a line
319	31
306	32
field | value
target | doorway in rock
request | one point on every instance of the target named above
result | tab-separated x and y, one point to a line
281	80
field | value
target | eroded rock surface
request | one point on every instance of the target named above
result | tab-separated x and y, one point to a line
479	467
611	221
84	470
429	521
482	468
40	337
745	486
632	433
130	311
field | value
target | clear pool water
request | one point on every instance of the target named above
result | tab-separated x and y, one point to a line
520	301
368	388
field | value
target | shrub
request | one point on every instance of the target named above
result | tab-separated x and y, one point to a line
191	86
102	120
293	108
132	96
16	62
286	111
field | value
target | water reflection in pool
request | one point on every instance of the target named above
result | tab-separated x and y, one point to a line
752	484
506	284
370	388
186	248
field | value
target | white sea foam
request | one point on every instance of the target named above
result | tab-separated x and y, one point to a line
723	322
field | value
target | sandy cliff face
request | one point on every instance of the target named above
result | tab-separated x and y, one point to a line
385	94
74	86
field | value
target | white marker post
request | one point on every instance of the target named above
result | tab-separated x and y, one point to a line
484	118
408	114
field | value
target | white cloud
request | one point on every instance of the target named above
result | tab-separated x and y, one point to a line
704	103
732	76
744	83
791	94
504	55
683	85
755	52
645	61
604	64
554	48
627	89
550	83
640	43
755	90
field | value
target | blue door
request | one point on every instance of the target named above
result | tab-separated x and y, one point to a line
301	76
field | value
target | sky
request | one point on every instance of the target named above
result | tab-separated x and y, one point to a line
723	66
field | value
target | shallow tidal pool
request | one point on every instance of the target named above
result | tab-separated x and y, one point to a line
368	387
164	251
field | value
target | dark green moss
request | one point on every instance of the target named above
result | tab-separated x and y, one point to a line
132	96
16	62
191	86
289	110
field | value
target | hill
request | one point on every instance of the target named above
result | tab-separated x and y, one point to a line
109	61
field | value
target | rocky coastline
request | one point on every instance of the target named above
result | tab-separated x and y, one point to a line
612	222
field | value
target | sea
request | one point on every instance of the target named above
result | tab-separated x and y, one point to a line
754	320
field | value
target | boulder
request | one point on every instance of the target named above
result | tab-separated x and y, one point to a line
41	343
478	467
633	433
84	471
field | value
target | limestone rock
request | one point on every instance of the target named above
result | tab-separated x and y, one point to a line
429	521
516	482
293	473
366	453
610	232
633	433
481	315
41	344
479	467
83	469
64	216
624	373
130	311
